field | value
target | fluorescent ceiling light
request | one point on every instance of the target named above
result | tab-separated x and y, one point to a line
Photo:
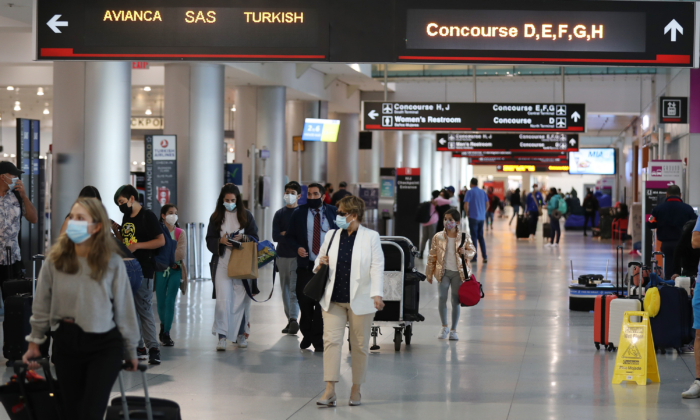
149	112
147	88
10	88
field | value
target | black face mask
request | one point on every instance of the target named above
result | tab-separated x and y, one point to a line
124	208
314	203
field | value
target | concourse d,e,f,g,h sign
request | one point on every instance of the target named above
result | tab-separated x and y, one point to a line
316	129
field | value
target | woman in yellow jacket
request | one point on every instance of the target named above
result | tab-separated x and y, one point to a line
447	252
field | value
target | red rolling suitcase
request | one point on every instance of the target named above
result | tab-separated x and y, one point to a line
602	319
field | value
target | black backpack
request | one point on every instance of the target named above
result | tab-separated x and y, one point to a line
423	214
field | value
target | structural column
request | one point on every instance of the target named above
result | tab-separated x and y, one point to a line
246	99
371	160
392	145
91	133
437	171
270	135
456	172
411	150
446	169
347	148
427	150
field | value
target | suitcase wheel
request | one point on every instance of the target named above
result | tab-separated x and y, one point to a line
597	346
397	339
679	350
663	351
408	332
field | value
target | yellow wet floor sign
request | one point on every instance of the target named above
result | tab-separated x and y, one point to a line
636	358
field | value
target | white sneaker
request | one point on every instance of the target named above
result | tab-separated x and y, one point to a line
444	332
453	336
555	245
548	245
221	346
242	344
693	392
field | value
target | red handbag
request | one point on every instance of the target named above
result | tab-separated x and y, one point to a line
470	292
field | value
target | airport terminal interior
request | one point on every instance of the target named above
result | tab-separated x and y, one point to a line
561	137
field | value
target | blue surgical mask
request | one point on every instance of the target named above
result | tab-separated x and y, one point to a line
230	206
77	231
14	182
342	222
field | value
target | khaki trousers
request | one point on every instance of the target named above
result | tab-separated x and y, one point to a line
334	322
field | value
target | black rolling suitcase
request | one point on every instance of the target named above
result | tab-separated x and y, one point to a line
522	227
16	326
672	326
392	256
14	284
137	408
547	230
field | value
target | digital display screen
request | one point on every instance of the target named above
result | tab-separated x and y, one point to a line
201	27
316	129
526	30
592	162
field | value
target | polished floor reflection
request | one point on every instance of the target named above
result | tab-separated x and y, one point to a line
521	355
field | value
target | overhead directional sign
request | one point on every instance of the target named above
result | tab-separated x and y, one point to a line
489	144
602	33
520	160
563	32
673	110
470	116
532	168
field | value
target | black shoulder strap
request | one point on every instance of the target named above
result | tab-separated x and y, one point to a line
464	263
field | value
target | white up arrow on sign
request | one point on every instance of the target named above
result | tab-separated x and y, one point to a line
54	24
572	142
373	114
674	27
575	116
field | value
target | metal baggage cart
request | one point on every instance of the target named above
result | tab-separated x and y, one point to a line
394	285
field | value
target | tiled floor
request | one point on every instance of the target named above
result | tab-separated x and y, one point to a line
521	355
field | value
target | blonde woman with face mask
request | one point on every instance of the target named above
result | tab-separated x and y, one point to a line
446	263
83	294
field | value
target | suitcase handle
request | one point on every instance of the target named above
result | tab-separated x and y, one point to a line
125	406
20	369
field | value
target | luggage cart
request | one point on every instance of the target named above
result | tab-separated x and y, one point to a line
395	288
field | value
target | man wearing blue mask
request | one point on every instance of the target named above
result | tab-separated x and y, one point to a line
306	231
287	257
14	204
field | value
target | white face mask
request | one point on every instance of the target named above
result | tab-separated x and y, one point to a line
171	219
290	199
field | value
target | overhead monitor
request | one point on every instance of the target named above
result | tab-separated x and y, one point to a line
316	129
598	161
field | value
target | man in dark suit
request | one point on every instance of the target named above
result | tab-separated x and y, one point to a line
306	232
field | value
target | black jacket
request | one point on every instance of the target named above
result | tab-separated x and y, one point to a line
685	258
669	217
217	248
297	230
339	195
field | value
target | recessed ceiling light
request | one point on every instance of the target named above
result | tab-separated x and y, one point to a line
134	163
40	91
230	149
10	88
149	112
17	107
147	88
143	163
46	111
233	108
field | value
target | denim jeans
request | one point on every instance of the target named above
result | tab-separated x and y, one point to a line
133	271
489	216
449	279
288	283
476	228
556	230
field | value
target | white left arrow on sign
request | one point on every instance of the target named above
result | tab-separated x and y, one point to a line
54	24
373	114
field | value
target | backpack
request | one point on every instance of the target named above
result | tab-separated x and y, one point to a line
562	207
423	214
165	255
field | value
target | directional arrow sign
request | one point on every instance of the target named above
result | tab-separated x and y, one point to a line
572	142
373	114
674	27
575	116
443	142
54	24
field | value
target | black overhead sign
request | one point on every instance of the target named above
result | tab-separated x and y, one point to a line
488	144
470	116
520	160
635	33
673	110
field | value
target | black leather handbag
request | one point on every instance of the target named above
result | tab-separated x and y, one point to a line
316	287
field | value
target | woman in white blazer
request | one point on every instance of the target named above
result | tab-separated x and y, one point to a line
353	294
